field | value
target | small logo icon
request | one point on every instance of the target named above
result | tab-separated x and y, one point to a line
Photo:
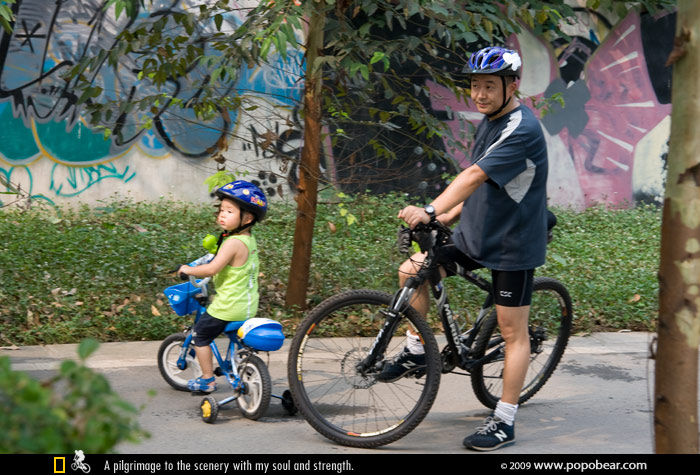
59	465
78	462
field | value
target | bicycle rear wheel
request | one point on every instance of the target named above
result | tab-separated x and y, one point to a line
346	405
549	324
255	398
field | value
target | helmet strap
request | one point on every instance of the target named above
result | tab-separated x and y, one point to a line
505	101
225	234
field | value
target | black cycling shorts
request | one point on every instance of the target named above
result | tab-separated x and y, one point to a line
511	288
207	329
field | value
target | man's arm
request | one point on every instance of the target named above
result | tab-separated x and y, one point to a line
464	185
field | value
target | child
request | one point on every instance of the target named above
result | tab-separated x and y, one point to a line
234	270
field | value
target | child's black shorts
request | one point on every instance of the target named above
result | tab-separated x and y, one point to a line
207	329
511	288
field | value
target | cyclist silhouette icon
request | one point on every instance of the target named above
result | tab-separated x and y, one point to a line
78	462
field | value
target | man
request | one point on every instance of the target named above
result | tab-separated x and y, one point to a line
500	201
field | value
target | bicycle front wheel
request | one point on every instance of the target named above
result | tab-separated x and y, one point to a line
175	371
344	403
549	326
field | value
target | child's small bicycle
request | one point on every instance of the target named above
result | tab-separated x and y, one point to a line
244	370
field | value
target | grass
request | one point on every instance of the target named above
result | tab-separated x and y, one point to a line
67	274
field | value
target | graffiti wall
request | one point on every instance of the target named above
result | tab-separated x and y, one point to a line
608	144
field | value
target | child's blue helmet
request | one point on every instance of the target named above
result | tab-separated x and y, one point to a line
248	196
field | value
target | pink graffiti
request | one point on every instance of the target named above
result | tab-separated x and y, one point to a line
622	110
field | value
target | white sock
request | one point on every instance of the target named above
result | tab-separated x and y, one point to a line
506	412
415	347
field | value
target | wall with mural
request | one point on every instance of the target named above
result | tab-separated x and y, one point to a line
608	144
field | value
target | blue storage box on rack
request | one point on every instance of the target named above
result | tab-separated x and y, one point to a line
263	334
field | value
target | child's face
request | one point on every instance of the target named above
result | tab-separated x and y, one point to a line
229	217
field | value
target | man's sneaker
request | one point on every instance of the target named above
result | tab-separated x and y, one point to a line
492	435
404	364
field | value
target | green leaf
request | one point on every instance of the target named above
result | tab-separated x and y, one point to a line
218	20
376	57
364	71
87	347
282	43
265	48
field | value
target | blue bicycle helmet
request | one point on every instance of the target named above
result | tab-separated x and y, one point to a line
494	60
248	196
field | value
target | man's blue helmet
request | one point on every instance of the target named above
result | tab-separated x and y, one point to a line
248	196
494	60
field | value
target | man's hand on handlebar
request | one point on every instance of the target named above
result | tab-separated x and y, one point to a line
413	215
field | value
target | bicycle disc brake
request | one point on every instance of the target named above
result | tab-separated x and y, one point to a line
349	371
537	336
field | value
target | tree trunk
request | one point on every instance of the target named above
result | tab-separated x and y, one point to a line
309	167
676	386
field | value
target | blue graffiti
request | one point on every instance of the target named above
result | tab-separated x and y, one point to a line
78	179
51	37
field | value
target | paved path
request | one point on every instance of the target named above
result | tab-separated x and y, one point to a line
599	401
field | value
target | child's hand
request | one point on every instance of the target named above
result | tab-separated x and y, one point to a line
183	272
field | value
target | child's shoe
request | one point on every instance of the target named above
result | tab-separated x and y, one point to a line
202	385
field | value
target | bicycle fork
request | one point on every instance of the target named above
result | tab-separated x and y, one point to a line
392	319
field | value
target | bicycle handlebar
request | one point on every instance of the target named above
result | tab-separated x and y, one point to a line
426	235
201	284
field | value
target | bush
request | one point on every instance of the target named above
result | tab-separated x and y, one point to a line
74	410
68	274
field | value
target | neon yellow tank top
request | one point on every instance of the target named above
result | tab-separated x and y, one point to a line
237	287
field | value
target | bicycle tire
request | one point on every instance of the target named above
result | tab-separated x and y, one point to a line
339	402
255	398
168	354
551	313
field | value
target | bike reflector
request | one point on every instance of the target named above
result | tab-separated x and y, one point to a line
262	334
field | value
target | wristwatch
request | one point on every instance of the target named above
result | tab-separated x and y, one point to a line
431	212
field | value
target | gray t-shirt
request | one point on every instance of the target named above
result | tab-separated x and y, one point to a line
503	224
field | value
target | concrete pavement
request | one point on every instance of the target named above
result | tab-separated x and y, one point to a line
599	401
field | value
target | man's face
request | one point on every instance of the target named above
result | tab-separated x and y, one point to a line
487	92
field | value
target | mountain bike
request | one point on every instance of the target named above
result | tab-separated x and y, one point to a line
340	348
247	373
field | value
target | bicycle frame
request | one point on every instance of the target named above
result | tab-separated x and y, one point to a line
458	344
227	366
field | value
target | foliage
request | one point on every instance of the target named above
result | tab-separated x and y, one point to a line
609	259
353	70
74	410
68	274
367	42
6	15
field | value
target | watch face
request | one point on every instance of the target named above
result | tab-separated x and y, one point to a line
430	210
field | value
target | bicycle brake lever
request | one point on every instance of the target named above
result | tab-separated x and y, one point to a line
404	240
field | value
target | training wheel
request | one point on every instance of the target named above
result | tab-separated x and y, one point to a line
288	402
209	409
